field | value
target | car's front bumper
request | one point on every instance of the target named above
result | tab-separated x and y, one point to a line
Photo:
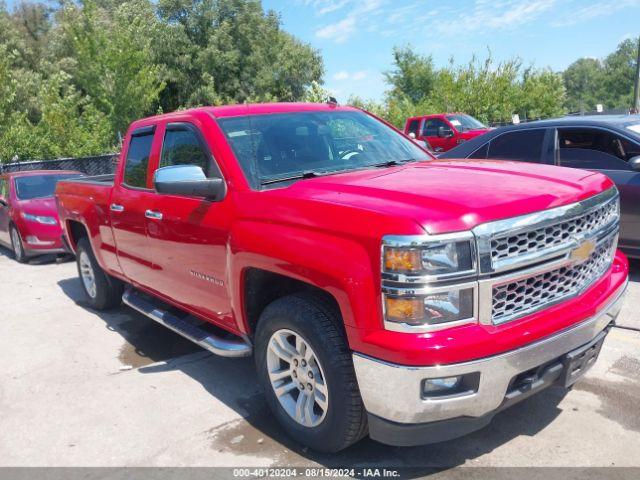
400	415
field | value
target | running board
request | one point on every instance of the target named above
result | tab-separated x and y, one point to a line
225	347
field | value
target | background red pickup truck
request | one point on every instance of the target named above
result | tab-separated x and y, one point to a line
443	131
379	291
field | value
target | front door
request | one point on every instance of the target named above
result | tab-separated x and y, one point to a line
129	202
188	236
608	153
430	131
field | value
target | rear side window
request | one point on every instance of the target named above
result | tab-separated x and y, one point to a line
3	189
525	146
135	168
182	147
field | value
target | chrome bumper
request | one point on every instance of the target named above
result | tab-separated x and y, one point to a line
393	392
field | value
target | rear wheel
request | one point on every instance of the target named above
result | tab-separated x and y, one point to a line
104	291
16	243
305	369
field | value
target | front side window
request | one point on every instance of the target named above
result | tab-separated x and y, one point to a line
182	147
592	148
432	126
276	147
39	186
524	146
137	162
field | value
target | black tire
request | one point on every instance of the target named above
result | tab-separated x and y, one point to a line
318	322
108	290
18	248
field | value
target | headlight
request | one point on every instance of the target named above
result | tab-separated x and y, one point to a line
429	282
453	305
431	258
40	219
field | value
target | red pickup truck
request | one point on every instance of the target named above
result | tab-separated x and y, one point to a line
443	131
378	290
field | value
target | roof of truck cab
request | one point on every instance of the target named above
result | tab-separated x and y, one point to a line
248	109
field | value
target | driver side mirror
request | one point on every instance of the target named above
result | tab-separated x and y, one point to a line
188	180
634	163
3	202
444	132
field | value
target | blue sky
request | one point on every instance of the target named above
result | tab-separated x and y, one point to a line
356	37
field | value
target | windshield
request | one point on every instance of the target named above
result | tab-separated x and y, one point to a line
289	146
39	186
634	127
465	122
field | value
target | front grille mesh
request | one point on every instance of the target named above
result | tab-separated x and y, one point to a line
519	297
512	246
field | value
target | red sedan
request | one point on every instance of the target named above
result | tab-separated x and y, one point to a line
28	216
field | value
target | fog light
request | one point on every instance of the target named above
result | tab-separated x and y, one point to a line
457	386
33	240
440	385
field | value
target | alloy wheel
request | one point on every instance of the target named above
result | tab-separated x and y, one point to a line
297	378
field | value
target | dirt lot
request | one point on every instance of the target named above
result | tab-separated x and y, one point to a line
82	388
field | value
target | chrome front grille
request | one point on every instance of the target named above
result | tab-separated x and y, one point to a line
531	262
517	298
513	246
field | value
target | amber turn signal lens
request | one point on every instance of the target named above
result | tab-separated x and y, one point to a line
402	260
404	310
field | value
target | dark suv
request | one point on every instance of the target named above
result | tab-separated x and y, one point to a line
607	144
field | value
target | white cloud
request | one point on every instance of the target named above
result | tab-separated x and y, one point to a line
360	11
338	32
594	10
494	15
343	75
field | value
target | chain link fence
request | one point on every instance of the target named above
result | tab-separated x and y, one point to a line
96	165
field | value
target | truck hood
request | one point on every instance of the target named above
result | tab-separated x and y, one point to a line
452	195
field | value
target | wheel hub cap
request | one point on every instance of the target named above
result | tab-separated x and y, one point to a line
86	272
297	378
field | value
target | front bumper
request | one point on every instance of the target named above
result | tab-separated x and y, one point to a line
399	415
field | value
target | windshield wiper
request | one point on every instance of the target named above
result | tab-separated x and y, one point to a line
295	176
392	163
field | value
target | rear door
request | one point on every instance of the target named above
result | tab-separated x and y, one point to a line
131	198
188	235
4	210
607	152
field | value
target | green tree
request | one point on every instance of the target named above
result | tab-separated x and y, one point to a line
108	54
231	51
583	80
619	74
412	77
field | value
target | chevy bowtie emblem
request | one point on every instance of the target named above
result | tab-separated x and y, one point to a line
584	251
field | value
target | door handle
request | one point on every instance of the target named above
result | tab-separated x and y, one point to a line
153	215
114	207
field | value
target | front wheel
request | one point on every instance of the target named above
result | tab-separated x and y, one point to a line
104	291
18	249
305	369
